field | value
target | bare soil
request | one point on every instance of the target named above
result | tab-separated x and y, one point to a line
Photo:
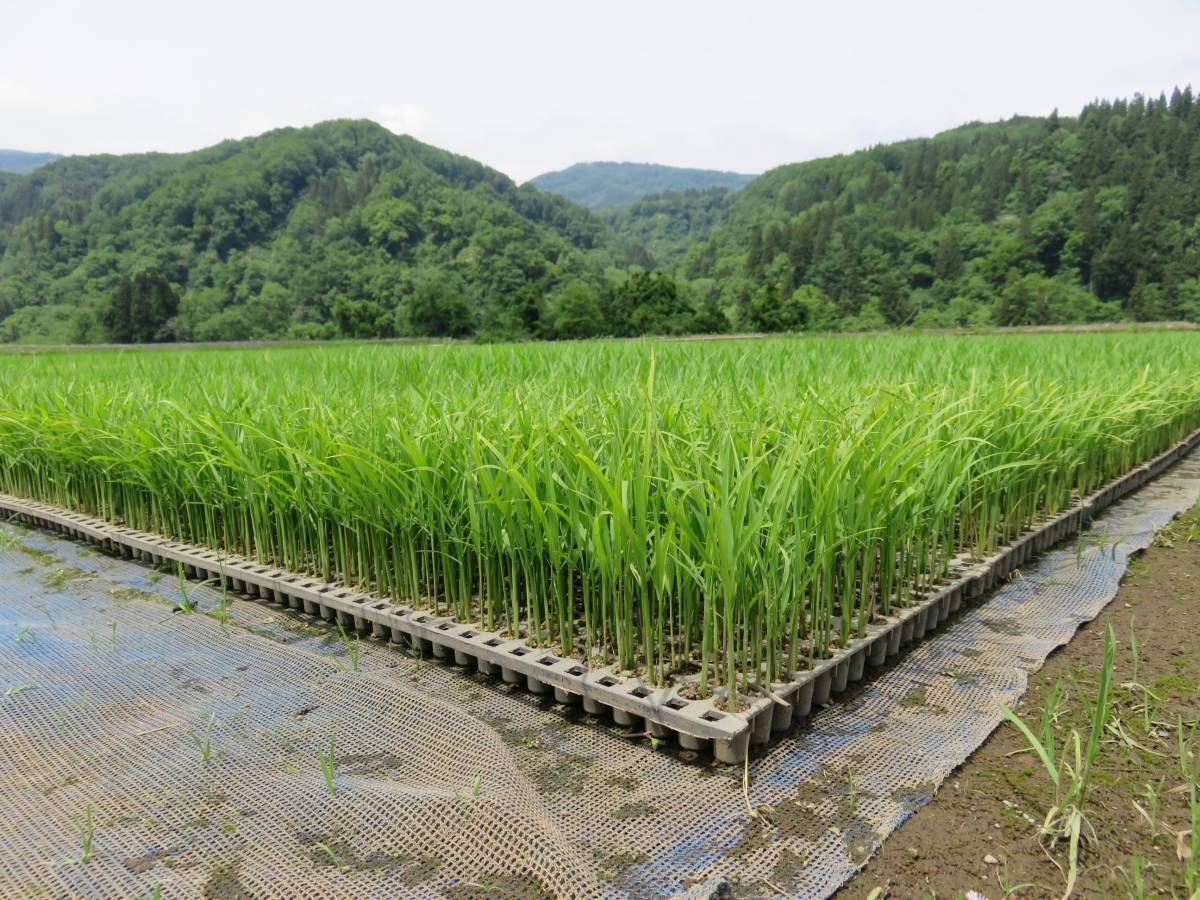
980	833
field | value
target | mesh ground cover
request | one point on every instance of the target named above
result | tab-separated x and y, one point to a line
445	785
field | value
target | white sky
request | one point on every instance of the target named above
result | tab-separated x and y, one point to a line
528	86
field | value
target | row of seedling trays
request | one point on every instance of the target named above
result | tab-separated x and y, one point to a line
697	724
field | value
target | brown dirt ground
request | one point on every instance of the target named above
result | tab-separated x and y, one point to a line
993	805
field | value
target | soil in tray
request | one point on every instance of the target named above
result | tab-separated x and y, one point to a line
980	832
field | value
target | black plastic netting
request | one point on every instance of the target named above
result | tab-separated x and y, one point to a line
444	785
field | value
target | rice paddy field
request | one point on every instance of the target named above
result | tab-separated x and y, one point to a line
732	510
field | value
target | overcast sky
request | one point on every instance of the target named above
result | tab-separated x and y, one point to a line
532	86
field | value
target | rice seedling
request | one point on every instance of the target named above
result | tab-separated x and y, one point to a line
326	761
1008	888
1150	701
473	791
221	613
1187	841
332	856
1150	812
350	646
185	599
87	833
1135	882
1069	767
204	742
723	512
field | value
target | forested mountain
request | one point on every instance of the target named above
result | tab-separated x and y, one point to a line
658	229
1030	221
602	185
19	162
345	229
339	229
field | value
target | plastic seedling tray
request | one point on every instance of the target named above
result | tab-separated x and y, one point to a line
697	724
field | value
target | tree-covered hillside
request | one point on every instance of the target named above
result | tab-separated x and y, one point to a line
346	230
658	230
339	229
19	162
1030	221
602	185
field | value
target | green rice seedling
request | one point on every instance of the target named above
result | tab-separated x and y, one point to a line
87	833
221	613
1135	882
1150	701
204	742
185	601
726	511
1133	650
326	761
351	646
473	791
1150	812
1188	839
331	854
1069	768
1007	887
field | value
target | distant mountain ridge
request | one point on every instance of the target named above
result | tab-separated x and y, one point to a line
18	162
603	185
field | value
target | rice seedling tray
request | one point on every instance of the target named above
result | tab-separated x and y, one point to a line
697	724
